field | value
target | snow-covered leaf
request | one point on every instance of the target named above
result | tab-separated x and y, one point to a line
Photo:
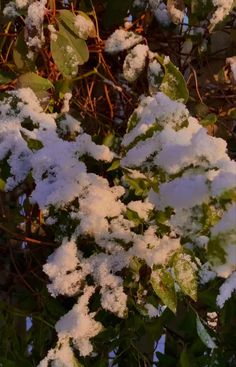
84	25
81	25
121	40
135	62
155	76
222	10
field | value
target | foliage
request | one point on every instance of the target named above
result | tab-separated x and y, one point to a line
117	190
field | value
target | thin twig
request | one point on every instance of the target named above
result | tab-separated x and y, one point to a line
20	237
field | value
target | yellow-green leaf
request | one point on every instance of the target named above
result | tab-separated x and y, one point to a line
34	81
114	165
185	274
173	83
78	45
163	285
64	56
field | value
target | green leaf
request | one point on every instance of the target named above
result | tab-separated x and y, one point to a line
173	83
2	184
4	362
232	113
114	165
68	18
209	120
135	264
67	62
77	363
68	51
215	250
34	144
185	274
133	215
109	140
133	121
163	285
79	45
35	82
63	86
20	51
6	76
184	359
203	334
139	185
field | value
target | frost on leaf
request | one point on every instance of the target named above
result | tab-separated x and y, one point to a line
84	26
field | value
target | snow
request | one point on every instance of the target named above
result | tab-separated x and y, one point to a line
160	12
63	260
34	20
154	250
61	356
176	14
223	8
121	40
227	222
141	208
226	290
152	311
155	74
156	110
206	274
66	102
182	192
10	10
53	34
135	62
84	26
231	61
192	169
79	324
